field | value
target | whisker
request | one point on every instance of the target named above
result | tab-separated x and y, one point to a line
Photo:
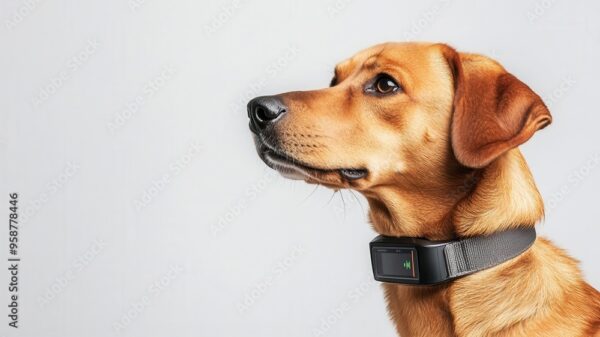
311	193
358	201
344	203
331	198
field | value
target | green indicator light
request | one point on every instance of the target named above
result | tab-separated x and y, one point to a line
406	265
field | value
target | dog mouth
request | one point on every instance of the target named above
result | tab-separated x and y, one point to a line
293	168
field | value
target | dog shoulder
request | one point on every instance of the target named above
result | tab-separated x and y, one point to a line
540	293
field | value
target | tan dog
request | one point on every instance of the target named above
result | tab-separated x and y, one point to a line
429	136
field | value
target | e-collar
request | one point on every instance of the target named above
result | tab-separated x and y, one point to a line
420	261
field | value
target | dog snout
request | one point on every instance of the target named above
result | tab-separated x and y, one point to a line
264	110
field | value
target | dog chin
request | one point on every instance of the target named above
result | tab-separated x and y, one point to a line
286	170
292	175
291	168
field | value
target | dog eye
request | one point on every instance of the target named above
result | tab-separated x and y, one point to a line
382	85
386	85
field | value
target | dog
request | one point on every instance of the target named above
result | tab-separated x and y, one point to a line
430	137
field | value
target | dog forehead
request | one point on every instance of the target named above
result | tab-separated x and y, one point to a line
405	53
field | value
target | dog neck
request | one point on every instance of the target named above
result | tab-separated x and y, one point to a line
476	202
499	299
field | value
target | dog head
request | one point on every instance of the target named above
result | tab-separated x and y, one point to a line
397	113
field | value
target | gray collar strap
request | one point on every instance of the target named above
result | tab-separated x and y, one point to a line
419	261
481	252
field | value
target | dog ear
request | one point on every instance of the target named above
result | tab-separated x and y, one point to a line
493	111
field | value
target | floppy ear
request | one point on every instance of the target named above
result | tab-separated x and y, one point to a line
493	111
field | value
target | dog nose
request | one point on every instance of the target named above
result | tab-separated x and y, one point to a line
264	110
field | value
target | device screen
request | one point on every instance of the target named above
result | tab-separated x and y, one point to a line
396	263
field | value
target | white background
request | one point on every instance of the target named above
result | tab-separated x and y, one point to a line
145	210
